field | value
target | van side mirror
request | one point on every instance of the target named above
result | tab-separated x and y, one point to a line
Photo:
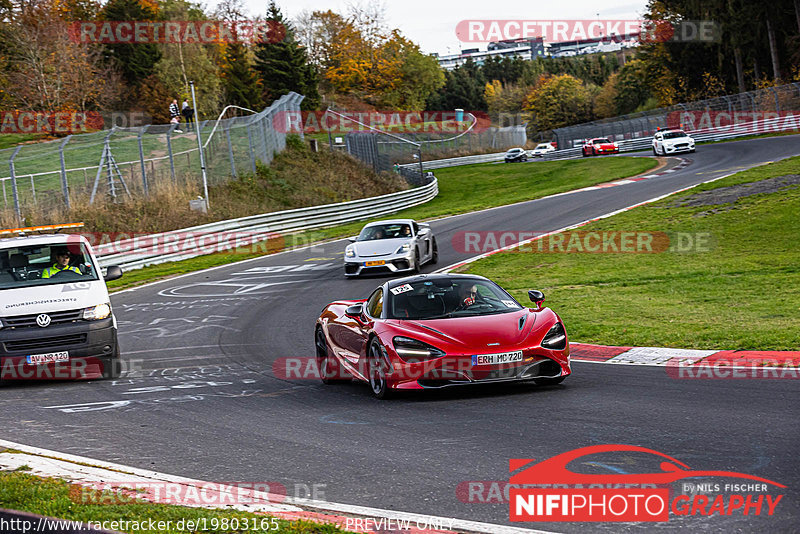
114	272
536	297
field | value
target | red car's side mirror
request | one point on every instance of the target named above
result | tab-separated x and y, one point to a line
356	311
536	297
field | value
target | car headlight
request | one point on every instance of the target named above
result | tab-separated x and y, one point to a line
412	350
349	252
616	145
556	338
94	313
405	247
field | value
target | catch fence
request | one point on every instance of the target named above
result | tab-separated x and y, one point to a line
113	164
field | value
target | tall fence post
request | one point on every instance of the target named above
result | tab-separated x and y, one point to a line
252	154
64	183
227	128
14	190
266	153
777	102
169	152
141	161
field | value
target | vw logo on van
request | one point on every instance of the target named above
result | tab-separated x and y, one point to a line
43	320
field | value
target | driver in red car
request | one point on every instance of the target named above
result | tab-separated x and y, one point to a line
61	264
467	296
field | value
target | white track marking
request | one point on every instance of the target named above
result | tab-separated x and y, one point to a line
57	464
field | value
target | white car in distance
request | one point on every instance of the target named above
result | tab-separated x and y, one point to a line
672	142
542	149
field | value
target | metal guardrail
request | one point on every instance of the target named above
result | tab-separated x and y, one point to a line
776	125
186	243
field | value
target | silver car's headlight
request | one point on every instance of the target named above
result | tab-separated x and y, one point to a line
95	313
405	247
349	252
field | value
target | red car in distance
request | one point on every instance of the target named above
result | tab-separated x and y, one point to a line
440	330
599	145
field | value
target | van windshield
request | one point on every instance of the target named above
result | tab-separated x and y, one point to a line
45	264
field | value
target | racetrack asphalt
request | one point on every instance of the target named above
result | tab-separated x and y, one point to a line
206	403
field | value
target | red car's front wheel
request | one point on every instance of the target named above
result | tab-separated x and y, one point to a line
330	372
376	371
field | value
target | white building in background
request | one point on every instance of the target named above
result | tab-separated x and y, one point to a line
528	49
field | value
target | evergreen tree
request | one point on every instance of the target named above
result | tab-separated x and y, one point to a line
283	66
239	80
135	61
463	88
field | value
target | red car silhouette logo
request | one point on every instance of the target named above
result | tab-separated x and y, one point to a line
554	470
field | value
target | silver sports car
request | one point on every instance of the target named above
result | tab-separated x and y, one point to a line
390	247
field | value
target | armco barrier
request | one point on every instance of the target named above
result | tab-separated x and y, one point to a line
772	125
258	227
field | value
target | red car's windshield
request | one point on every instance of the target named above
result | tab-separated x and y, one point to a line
601	141
448	298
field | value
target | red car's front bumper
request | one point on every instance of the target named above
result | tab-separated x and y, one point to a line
458	370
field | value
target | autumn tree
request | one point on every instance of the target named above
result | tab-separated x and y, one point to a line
505	101
632	90
321	33
558	101
47	70
379	66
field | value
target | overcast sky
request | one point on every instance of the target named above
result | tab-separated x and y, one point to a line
432	23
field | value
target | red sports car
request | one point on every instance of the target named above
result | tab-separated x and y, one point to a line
440	330
599	145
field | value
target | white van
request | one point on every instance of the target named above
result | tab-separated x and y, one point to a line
56	320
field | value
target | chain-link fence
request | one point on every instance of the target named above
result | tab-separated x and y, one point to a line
702	114
112	164
401	153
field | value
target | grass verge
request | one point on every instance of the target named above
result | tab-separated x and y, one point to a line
53	497
741	291
461	190
12	140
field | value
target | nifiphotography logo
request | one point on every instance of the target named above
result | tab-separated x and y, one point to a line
550	491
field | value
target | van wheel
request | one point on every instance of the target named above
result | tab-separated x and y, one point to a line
112	367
